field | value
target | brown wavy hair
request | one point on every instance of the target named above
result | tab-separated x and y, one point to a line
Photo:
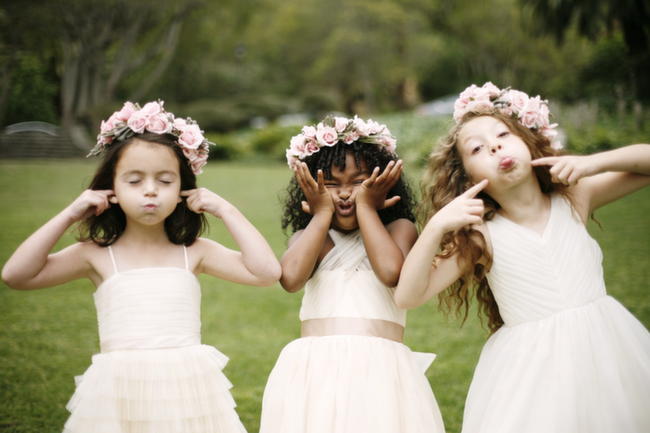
445	179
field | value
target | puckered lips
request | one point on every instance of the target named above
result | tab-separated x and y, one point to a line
345	208
150	206
506	163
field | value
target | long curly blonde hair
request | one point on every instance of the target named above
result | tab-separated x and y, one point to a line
445	179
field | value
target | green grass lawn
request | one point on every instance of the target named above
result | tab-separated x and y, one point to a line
48	336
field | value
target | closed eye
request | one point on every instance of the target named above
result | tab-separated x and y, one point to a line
504	134
476	149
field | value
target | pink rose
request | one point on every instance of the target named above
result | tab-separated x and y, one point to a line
311	147
125	113
180	123
518	100
309	131
326	135
151	109
297	145
198	164
137	122
340	123
362	128
350	137
390	143
292	159
191	137
480	106
107	125
159	124
531	115
374	127
492	90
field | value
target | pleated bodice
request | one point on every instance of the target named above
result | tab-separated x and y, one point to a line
534	276
344	285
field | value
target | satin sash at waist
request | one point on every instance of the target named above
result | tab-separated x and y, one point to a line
352	326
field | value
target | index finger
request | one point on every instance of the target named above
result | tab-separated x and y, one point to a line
476	188
187	192
547	160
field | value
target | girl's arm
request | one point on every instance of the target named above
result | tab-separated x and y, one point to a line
307	246
386	245
32	267
254	265
604	177
423	275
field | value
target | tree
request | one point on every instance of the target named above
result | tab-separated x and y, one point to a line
598	18
97	46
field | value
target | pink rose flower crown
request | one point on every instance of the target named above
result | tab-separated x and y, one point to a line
152	117
533	113
334	129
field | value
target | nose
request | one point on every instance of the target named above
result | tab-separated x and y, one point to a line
150	189
494	147
344	192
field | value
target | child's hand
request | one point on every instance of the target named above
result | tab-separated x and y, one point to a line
462	211
318	198
373	190
89	202
203	200
568	169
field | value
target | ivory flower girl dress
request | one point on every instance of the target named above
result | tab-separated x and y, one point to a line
349	373
570	358
153	375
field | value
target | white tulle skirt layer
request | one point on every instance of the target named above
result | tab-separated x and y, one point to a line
179	390
349	384
583	370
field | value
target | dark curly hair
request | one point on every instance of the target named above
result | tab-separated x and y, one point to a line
325	159
182	227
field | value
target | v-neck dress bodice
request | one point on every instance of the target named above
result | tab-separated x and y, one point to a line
569	358
536	275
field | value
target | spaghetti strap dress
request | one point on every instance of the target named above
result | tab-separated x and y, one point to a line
152	375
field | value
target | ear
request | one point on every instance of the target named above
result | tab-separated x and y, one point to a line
113	199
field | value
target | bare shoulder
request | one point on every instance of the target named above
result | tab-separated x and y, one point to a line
200	250
402	227
483	230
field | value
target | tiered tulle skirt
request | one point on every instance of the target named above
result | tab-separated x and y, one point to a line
583	370
349	384
179	390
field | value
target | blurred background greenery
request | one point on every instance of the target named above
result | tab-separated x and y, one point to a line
251	71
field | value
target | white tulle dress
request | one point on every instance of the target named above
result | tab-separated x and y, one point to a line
569	359
349	383
153	375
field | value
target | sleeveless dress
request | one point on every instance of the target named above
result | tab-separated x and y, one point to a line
570	358
349	383
153	375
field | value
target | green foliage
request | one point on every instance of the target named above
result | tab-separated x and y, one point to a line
33	91
273	140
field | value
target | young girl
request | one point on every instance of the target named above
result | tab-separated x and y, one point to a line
142	216
563	356
351	215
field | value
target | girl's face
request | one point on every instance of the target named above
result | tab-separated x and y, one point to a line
489	150
343	187
147	182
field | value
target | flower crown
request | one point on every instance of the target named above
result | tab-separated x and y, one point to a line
132	119
533	113
334	129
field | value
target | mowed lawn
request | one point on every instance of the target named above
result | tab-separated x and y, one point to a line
48	336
